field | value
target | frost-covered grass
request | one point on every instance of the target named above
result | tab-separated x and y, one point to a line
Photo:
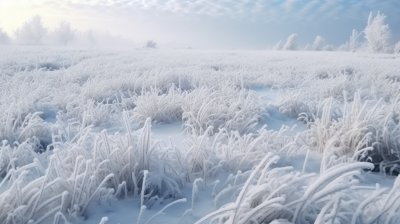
77	132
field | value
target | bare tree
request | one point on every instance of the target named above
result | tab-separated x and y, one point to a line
377	33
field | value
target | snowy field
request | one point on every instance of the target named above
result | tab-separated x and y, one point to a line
188	136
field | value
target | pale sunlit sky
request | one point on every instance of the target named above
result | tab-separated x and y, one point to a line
206	23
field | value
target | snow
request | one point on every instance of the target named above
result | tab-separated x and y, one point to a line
127	210
94	136
276	120
170	133
268	95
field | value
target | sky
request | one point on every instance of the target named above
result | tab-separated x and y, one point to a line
249	24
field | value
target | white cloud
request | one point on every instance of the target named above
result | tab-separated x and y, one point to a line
234	8
288	5
173	20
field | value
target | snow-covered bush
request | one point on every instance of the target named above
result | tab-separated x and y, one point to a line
353	43
293	105
159	107
363	131
291	42
88	168
20	128
223	108
19	155
377	33
88	112
271	194
242	152
151	44
318	44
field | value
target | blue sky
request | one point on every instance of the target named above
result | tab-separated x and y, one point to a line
207	23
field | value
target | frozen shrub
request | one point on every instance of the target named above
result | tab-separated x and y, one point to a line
15	156
377	33
363	131
242	152
91	113
19	128
293	105
353	43
92	166
225	108
200	158
318	43
291	42
151	44
271	194
230	151
183	82
159	107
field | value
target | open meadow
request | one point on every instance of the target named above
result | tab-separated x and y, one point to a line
198	136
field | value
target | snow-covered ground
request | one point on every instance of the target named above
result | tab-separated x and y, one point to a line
190	136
